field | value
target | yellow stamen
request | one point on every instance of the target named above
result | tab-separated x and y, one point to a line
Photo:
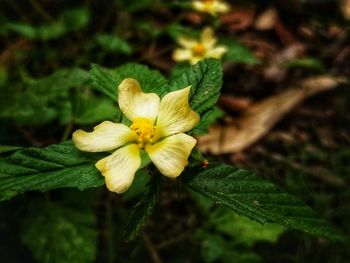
208	4
145	130
198	50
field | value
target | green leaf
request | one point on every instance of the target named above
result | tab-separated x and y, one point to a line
244	230
8	148
43	169
260	200
107	81
212	247
58	234
140	213
207	119
175	30
139	185
114	44
205	79
306	62
91	109
75	19
47	97
237	52
69	21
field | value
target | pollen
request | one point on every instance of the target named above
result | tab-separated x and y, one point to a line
144	129
198	50
208	4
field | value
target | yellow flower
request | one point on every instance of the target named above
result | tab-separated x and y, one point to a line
194	50
157	127
213	7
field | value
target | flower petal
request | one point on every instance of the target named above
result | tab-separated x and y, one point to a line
198	5
170	155
186	42
120	167
106	136
207	38
217	52
182	54
175	114
195	60
213	8
222	7
134	103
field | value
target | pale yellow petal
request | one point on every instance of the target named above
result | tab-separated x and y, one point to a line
222	7
186	42
170	155
134	103
182	54
120	167
106	136
175	114
198	6
207	38
214	7
217	52
195	60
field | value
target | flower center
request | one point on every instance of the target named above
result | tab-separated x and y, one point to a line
145	130
198	50
208	4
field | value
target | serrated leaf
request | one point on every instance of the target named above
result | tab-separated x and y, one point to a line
43	169
260	200
205	79
58	234
140	213
107	81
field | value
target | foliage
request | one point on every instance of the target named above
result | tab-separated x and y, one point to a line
44	169
114	44
247	194
69	100
228	214
141	211
70	21
56	233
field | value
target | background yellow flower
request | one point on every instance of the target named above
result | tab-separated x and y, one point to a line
213	7
194	50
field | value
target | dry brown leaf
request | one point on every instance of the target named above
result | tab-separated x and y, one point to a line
238	19
234	103
267	20
344	6
261	117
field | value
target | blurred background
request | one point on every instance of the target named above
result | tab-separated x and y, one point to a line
283	113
